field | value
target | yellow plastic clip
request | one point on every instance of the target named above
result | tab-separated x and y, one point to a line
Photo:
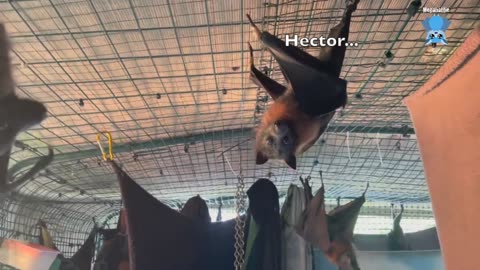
110	145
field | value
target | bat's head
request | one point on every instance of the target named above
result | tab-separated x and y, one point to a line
436	36
341	254
436	27
108	234
345	263
17	115
276	141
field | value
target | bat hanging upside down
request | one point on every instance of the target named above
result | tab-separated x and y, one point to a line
301	110
16	115
396	239
332	233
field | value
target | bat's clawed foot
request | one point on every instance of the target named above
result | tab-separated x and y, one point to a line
256	31
352	5
366	189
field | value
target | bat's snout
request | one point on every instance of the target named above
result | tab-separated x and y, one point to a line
284	132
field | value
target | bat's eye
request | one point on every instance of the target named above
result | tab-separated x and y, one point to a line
286	140
432	35
269	140
440	36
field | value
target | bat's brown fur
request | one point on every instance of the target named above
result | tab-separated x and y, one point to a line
301	111
307	128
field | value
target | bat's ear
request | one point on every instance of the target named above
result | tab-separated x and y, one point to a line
425	24
261	158
292	162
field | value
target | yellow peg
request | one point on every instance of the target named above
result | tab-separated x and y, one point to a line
110	145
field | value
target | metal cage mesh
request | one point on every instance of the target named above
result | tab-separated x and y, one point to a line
169	80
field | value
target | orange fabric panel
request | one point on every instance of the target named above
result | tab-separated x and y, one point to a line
26	256
446	117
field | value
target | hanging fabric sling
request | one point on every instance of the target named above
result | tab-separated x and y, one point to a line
162	238
297	254
264	209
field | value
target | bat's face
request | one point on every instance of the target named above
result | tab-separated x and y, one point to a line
17	115
345	263
436	37
277	141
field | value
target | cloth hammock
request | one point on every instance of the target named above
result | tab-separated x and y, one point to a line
264	210
162	238
297	254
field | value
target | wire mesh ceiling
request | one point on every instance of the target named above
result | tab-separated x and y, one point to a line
169	80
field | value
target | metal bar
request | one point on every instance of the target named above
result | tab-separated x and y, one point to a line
78	82
267	20
121	148
452	40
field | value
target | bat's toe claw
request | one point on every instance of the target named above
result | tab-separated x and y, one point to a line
256	31
352	5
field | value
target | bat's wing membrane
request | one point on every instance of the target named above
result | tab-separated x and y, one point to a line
313	222
4	159
273	88
341	224
426	25
7	85
315	89
342	220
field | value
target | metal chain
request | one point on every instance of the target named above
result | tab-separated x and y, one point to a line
239	224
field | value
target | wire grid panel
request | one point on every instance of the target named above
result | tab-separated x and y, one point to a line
169	79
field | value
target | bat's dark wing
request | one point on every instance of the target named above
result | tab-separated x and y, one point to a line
273	88
317	91
313	222
341	224
341	220
4	159
83	257
7	85
307	189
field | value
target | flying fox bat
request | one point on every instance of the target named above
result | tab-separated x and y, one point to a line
333	232
16	115
396	238
196	209
219	214
312	225
114	253
301	110
341	224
